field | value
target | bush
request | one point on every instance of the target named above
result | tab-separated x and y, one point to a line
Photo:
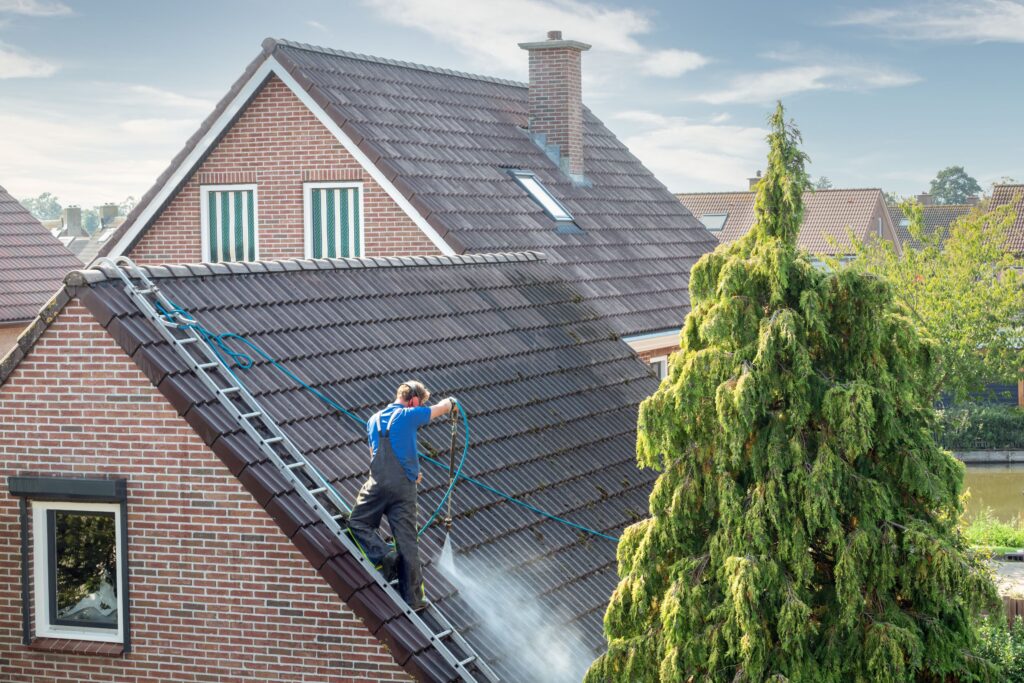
1005	646
972	427
985	530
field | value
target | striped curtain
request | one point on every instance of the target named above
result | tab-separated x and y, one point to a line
232	227
334	222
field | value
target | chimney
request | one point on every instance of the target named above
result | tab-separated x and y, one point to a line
925	199
556	99
72	217
754	181
107	212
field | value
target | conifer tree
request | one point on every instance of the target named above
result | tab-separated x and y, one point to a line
803	527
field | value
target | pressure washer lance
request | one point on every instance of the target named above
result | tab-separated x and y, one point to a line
446	560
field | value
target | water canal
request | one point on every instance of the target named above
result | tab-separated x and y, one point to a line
1000	487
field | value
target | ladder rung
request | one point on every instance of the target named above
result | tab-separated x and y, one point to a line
230	390
443	634
249	416
147	290
295	465
466	662
273	440
317	491
208	366
337	517
188	340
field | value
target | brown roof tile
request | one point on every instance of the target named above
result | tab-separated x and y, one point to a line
1012	194
33	262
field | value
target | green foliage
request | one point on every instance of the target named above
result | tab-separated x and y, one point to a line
952	185
984	529
44	207
803	527
1006	647
971	427
965	292
86	555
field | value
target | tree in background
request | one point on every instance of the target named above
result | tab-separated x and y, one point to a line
803	527
45	207
965	291
823	183
952	185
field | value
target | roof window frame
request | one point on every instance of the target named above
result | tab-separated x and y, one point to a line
723	215
532	185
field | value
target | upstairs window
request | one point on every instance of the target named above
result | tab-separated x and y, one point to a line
660	366
230	230
74	539
333	216
714	222
540	194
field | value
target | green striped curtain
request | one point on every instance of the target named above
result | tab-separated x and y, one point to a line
334	222
232	226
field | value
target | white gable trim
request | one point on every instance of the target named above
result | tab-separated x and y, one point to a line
189	164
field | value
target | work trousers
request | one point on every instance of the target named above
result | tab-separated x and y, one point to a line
389	492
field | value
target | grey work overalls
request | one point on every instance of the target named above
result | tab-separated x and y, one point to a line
389	492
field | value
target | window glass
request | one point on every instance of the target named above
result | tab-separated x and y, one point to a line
333	229
714	221
660	366
230	216
542	196
83	568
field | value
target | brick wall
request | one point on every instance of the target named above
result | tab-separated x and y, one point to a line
217	591
278	144
646	356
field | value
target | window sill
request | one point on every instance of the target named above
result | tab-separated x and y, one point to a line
77	647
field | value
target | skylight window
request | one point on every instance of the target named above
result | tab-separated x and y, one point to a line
542	196
714	222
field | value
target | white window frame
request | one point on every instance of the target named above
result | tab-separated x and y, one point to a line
40	569
307	212
660	365
204	213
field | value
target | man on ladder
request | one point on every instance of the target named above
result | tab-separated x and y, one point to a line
391	488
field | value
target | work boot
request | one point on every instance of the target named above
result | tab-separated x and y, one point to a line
389	566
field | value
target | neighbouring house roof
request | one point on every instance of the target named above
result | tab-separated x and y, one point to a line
33	262
936	217
828	215
552	396
1012	194
446	141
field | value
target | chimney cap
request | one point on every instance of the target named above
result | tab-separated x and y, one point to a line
554	41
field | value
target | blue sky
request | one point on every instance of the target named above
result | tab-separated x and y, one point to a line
96	96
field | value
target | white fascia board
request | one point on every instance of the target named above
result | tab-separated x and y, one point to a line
653	341
272	66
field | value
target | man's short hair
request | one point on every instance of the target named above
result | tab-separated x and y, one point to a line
407	390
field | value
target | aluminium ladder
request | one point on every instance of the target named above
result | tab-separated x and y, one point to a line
311	486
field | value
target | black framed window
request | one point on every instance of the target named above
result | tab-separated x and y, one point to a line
74	558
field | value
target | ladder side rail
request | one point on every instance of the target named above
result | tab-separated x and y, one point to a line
165	327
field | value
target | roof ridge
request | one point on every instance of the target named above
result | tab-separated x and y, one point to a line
101	273
811	190
270	43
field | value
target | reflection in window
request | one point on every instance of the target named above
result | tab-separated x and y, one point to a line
82	568
714	222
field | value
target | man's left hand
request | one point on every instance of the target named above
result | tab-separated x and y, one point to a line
419	478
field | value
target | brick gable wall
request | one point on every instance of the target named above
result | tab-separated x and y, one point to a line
217	591
277	143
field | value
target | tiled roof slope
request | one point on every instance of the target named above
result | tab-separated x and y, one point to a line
33	262
1012	194
446	140
551	392
936	217
828	214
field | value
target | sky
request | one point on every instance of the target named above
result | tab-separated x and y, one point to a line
97	96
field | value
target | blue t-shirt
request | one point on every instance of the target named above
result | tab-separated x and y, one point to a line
403	424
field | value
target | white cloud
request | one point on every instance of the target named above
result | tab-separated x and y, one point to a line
693	156
165	98
488	32
672	63
964	20
766	86
83	160
16	64
317	25
34	8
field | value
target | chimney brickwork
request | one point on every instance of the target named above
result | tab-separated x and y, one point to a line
556	97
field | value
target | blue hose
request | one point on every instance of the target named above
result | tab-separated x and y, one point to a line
244	361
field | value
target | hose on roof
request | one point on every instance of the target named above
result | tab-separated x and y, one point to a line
245	361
